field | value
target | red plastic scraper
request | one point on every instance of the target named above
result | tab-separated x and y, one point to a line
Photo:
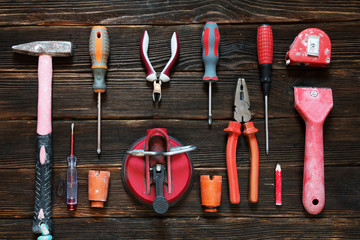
313	104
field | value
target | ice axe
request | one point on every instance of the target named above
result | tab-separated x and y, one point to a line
313	104
45	50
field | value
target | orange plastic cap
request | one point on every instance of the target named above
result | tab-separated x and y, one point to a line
210	192
98	187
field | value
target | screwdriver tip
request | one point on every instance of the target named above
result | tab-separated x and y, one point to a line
98	150
210	120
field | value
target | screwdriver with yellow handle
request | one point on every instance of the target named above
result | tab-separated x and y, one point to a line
99	51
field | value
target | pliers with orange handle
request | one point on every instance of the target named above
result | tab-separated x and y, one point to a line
242	115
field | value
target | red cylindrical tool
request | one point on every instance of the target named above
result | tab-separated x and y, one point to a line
210	192
265	58
278	191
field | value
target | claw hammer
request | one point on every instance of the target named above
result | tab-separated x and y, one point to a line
45	50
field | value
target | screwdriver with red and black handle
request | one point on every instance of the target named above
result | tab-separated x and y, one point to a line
99	51
210	42
265	57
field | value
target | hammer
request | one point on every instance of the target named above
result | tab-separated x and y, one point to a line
45	50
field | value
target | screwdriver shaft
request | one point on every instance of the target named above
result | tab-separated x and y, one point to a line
266	125
99	124
210	96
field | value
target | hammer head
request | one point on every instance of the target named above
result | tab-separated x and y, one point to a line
52	48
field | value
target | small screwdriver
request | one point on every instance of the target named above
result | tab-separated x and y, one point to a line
265	57
210	42
71	196
99	51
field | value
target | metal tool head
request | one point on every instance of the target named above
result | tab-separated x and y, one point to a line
242	102
52	48
157	91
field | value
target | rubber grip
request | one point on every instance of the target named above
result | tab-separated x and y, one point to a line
99	47
249	131
234	130
210	43
43	178
165	74
44	95
265	44
144	47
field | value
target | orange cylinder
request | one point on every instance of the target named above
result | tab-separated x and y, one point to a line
98	187
210	192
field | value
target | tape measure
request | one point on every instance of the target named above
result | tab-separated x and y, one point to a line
311	48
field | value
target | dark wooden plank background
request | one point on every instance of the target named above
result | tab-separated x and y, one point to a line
128	111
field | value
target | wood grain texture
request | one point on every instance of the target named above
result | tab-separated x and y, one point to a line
174	12
202	227
128	111
238	50
287	138
185	97
342	194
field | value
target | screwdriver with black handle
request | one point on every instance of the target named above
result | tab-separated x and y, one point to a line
265	57
210	42
99	51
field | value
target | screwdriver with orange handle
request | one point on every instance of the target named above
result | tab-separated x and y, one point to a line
99	46
242	115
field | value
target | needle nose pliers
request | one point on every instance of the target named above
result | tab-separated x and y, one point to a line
242	115
165	74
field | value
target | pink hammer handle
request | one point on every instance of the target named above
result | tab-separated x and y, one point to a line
313	185
44	95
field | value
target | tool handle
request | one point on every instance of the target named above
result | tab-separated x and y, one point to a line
313	184
265	56
144	47
44	95
210	42
165	74
43	172
99	47
234	130
249	131
72	183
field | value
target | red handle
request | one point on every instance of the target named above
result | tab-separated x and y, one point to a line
249	131
313	185
234	130
265	44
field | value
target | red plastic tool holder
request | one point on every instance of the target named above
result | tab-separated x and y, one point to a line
134	175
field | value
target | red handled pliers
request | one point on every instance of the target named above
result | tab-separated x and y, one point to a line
151	74
242	115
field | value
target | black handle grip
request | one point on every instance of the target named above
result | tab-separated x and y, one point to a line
42	211
160	203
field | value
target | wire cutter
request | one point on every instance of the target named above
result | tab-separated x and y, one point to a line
242	115
151	74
